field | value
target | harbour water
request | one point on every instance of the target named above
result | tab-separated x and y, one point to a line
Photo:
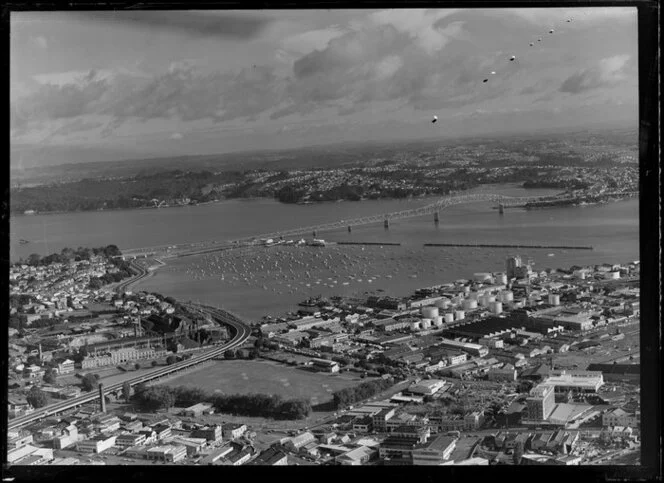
273	280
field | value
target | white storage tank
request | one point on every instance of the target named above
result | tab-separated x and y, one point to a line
554	299
484	301
496	307
507	296
414	325
474	295
501	278
426	324
438	321
481	277
429	312
442	303
466	289
449	317
612	275
469	304
460	315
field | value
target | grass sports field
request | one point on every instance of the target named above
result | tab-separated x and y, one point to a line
266	377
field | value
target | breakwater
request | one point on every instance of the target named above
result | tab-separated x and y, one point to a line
368	243
484	245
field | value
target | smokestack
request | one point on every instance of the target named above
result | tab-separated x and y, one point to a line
40	353
102	401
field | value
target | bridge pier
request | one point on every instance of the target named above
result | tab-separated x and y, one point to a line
386	224
435	217
501	209
349	230
314	233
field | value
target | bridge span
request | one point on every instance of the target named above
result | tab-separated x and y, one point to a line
197	248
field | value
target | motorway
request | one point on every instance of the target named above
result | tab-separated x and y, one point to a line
239	328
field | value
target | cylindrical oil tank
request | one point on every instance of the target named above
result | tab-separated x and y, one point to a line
469	304
438	320
415	325
449	317
460	315
426	324
429	312
442	303
496	307
554	299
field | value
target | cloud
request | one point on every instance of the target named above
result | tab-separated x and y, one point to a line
194	24
176	136
607	72
305	42
420	24
52	101
79	125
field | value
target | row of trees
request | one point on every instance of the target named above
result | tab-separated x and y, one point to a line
349	395
256	405
67	255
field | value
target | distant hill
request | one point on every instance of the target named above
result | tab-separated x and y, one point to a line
322	156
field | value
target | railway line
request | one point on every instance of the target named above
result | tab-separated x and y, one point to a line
240	331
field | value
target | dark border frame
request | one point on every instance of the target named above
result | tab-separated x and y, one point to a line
650	239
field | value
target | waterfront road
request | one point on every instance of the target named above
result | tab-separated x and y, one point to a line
239	329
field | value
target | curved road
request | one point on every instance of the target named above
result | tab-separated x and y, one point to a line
241	332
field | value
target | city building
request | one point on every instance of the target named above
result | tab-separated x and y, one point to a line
168	454
211	433
621	417
540	402
198	410
271	457
357	456
566	381
325	365
233	430
98	444
127	440
435	451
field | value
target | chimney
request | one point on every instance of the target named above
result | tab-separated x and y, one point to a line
102	401
41	358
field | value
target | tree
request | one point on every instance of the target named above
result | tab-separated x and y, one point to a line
37	398
126	391
49	376
137	366
90	382
229	354
171	360
154	363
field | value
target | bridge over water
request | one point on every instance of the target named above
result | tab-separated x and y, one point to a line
432	208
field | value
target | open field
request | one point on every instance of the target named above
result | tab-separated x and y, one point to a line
267	377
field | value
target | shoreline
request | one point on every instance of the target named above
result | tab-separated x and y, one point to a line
515	184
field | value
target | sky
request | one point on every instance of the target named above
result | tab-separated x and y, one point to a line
102	86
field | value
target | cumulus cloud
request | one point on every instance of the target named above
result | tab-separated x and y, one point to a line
176	136
420	24
607	72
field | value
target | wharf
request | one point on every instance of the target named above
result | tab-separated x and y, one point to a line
483	245
368	243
